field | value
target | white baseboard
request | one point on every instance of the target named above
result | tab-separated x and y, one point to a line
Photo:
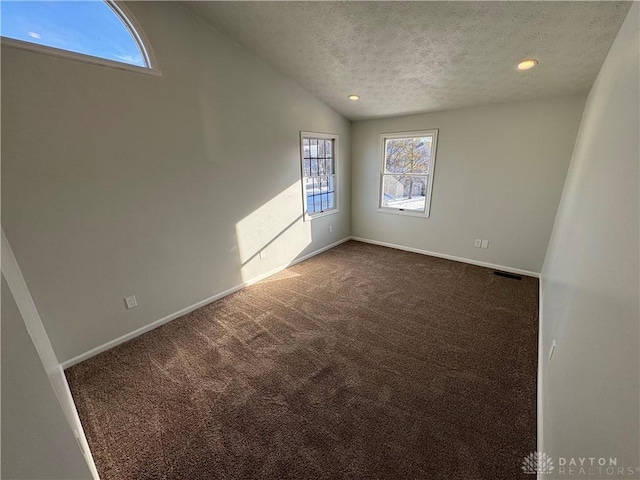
135	333
450	257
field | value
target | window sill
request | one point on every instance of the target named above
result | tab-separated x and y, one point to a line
308	217
408	213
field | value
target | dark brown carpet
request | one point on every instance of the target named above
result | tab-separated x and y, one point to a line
361	363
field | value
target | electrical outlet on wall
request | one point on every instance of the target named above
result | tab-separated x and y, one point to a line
131	301
263	254
485	243
478	242
330	228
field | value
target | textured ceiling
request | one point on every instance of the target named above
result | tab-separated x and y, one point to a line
410	57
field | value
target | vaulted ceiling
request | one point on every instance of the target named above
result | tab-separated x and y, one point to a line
412	57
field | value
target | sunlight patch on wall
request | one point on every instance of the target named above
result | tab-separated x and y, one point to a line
273	235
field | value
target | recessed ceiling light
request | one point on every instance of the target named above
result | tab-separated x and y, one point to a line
527	64
354	97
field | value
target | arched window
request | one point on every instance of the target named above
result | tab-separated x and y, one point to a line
95	28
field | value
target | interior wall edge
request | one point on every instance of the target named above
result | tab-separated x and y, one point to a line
35	328
539	391
589	303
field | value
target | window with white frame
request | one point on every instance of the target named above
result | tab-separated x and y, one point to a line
406	177
318	153
95	31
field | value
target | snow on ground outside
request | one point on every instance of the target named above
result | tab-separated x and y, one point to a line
416	203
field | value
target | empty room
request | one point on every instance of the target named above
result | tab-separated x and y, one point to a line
320	240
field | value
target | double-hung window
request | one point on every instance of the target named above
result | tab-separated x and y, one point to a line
318	153
406	176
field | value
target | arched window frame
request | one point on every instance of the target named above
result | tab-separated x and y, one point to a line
129	21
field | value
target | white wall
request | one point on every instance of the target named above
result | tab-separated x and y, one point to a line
498	176
117	183
37	442
590	302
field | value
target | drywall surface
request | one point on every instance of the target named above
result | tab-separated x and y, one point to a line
37	441
498	176
590	296
116	183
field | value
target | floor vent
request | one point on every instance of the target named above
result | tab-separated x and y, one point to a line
507	275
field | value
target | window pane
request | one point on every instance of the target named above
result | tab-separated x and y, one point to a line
329	157
322	159
306	162
313	152
313	190
405	192
408	155
318	157
320	194
88	27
